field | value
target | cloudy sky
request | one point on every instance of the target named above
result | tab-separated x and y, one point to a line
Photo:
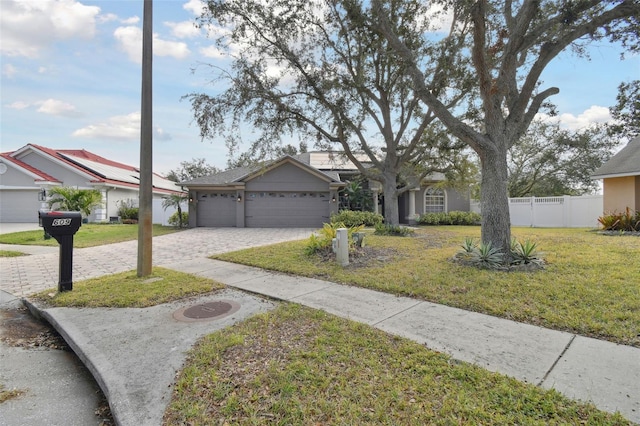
71	77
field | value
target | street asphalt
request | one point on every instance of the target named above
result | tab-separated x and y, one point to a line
134	353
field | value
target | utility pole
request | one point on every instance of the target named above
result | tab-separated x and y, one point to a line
145	213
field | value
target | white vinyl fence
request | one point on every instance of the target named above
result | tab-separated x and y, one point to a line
553	212
161	216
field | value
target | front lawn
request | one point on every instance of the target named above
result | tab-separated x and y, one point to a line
298	366
89	235
590	285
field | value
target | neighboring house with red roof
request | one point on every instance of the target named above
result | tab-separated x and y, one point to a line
621	179
28	173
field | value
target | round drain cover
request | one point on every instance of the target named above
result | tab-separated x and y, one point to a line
207	311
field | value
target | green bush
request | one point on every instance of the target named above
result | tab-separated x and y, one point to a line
357	218
174	219
393	230
627	221
322	241
451	218
127	211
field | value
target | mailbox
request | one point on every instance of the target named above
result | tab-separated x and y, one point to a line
62	226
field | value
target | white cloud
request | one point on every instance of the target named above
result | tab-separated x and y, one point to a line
211	52
9	70
593	115
18	105
107	17
131	21
184	29
194	6
58	108
121	127
130	39
27	27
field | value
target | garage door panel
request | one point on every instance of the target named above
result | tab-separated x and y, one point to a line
19	206
216	209
286	209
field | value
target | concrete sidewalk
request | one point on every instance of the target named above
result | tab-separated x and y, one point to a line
135	353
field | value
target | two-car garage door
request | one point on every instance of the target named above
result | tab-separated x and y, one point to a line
264	209
286	209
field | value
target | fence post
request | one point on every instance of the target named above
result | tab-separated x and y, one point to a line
533	211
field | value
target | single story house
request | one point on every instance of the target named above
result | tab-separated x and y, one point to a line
28	173
298	191
621	179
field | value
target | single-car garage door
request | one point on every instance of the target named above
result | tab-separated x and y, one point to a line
216	209
286	209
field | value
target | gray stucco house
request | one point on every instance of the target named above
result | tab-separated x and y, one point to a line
298	191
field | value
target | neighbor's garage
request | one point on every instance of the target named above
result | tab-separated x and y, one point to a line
286	209
19	206
217	209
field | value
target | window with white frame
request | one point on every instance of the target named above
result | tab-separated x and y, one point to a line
434	200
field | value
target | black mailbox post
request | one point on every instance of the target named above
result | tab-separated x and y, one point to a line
62	226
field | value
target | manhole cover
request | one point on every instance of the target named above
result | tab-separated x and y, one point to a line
207	311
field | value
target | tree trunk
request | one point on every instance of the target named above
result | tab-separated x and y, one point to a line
494	200
391	215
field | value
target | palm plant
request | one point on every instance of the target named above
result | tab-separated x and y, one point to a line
73	199
175	200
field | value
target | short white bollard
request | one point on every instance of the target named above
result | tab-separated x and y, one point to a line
342	246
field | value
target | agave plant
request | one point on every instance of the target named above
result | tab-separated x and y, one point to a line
524	253
488	257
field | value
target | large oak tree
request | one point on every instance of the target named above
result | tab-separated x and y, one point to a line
510	45
300	68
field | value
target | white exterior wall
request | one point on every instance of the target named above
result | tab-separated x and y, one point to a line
554	212
161	216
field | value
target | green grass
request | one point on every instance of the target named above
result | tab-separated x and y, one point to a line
127	290
11	253
297	366
89	235
590	285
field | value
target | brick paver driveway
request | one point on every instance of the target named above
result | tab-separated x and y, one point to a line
25	275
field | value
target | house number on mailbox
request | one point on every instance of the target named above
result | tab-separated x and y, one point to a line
61	222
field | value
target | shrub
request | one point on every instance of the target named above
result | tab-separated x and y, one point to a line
127	210
486	256
324	239
393	230
357	218
174	219
626	221
451	218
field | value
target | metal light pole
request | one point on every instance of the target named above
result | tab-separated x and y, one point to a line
145	213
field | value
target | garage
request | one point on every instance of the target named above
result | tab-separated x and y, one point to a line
280	209
216	209
19	206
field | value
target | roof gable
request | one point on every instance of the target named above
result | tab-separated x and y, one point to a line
624	163
245	174
38	175
93	167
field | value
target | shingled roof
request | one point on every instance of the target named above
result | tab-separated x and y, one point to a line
624	163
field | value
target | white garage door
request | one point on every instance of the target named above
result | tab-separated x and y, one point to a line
19	206
216	209
286	209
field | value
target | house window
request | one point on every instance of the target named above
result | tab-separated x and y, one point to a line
434	200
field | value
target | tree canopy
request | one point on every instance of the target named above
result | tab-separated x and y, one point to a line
626	111
189	170
548	161
302	68
509	45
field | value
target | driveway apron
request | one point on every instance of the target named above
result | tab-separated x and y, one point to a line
26	275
